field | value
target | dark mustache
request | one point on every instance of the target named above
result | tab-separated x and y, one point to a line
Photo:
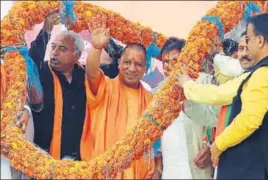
246	58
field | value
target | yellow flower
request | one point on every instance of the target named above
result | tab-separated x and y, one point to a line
14	145
88	14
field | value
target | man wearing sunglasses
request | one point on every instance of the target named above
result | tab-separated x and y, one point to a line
243	141
242	148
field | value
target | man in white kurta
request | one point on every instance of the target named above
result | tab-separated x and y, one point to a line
182	141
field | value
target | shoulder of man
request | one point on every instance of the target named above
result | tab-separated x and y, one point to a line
260	75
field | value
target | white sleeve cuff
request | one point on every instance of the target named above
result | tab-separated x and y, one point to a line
28	109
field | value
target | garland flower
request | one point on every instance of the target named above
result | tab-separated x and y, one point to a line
157	117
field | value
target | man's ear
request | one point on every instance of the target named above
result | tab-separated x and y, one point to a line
261	42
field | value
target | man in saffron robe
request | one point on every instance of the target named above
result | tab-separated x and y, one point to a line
116	104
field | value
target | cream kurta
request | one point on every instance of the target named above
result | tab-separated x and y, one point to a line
183	139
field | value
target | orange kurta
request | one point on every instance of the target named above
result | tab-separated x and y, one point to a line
114	110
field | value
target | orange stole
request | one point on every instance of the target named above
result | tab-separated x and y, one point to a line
55	146
109	121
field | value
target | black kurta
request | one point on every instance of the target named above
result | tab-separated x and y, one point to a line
74	103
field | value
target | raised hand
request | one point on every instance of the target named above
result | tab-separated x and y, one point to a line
51	19
100	37
100	34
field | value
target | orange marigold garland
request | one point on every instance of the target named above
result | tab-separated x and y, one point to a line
162	110
120	28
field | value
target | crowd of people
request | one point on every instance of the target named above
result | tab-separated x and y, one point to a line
220	133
